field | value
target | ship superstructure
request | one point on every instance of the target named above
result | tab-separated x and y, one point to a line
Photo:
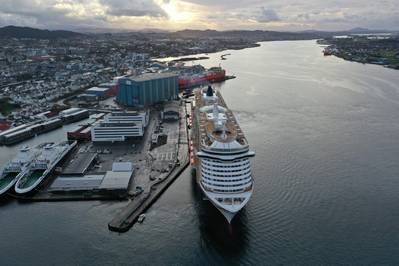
50	154
221	154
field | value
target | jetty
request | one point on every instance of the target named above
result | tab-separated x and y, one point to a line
124	220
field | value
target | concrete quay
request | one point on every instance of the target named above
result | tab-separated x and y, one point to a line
52	197
124	220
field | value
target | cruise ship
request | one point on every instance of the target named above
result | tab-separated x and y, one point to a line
15	168
50	154
220	154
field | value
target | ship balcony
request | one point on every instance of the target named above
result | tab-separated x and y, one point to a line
230	155
225	190
230	201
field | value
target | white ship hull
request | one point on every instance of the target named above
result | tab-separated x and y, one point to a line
9	187
228	211
15	169
221	154
21	189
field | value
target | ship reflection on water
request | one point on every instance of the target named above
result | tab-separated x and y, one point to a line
229	240
4	200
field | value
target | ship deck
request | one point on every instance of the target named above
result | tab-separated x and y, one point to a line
208	133
32	178
7	179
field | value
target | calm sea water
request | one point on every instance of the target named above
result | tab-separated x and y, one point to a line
326	134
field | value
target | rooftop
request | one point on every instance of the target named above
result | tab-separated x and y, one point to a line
97	89
151	76
127	113
172	106
116	180
117	124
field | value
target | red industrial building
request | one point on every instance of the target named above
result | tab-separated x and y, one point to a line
80	133
4	125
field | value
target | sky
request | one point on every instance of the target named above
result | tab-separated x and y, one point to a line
283	15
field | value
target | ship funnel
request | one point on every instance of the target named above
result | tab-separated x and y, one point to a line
215	114
219	123
209	91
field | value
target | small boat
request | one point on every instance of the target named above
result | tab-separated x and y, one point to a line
14	169
141	218
50	154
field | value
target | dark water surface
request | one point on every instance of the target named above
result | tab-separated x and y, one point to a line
326	134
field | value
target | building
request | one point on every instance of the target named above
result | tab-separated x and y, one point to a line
112	86
110	132
120	126
4	124
80	133
147	89
73	115
118	179
128	117
88	97
115	181
100	92
171	111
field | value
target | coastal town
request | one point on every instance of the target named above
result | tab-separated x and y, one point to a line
130	118
380	49
131	99
198	132
36	75
39	69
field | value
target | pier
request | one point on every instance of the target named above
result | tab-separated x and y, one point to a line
124	220
129	215
155	169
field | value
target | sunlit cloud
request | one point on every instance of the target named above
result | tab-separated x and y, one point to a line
201	14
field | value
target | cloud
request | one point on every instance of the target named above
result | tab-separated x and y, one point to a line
201	14
268	15
133	8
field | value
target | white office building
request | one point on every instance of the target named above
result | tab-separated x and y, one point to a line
119	126
128	117
116	131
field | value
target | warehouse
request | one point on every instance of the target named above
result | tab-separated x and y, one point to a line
100	92
148	89
116	181
112	86
73	114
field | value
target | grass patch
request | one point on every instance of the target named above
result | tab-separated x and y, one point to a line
6	107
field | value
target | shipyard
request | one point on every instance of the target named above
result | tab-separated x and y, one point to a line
121	131
128	142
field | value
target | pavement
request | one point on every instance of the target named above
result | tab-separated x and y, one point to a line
177	144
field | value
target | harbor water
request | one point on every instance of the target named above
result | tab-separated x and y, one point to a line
326	172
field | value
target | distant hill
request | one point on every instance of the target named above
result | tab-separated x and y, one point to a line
258	35
26	32
359	30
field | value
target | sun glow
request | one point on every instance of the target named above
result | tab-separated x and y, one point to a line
176	12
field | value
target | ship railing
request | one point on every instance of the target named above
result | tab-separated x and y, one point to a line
226	191
206	147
